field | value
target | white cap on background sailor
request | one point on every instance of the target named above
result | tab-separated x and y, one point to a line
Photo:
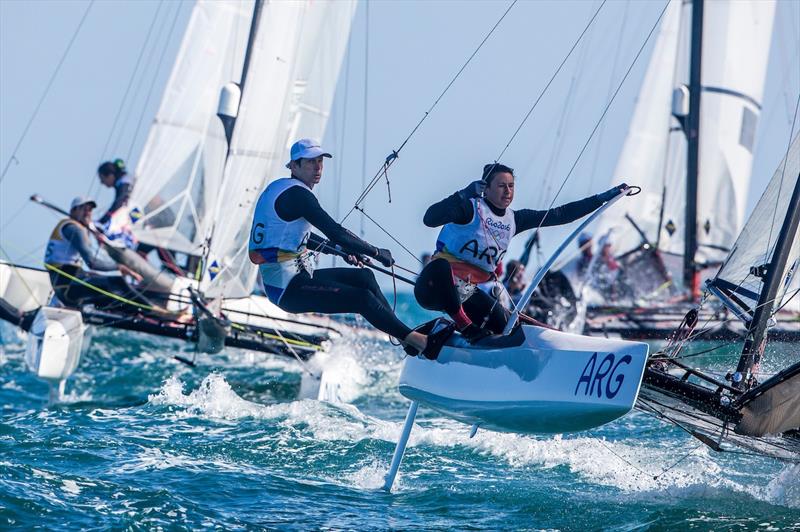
80	201
306	149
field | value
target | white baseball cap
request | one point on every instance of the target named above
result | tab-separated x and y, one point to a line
306	149
80	201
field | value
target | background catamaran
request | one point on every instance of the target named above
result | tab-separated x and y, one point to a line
694	164
199	176
753	403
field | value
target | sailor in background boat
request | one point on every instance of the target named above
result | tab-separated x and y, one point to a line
68	248
279	242
477	227
116	222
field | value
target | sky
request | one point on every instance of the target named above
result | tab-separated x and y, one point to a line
402	55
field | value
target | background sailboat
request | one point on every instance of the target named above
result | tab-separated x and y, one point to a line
650	241
195	192
754	403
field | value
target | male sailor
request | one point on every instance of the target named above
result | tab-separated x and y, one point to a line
279	242
68	248
477	227
115	223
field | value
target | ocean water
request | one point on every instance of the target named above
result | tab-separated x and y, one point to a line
142	441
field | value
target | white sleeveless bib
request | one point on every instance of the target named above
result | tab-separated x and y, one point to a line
60	250
483	241
282	244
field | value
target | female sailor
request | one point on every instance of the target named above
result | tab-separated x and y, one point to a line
477	227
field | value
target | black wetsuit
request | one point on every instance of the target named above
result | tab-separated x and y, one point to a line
122	193
435	289
334	290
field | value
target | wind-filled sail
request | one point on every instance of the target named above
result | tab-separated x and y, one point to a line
755	247
644	154
736	41
288	93
179	172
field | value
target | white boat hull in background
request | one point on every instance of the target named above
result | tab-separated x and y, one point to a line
24	289
55	343
551	382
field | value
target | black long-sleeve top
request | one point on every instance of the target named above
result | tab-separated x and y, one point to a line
122	193
458	209
299	202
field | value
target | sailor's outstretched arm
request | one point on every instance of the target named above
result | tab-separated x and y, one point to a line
528	219
80	240
297	202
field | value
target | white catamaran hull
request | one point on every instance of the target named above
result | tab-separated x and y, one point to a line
55	344
551	382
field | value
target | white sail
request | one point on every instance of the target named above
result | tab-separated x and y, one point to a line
179	171
644	154
756	243
736	41
288	93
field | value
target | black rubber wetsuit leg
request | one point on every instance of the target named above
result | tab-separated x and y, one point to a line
343	290
435	289
482	307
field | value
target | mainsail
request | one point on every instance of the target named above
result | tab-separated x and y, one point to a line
180	169
736	40
289	92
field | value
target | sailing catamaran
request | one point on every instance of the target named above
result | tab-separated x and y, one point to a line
197	181
529	380
694	164
745	406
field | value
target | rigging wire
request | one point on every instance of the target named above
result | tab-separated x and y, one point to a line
552	78
123	102
783	175
371	219
365	123
13	157
395	153
155	78
602	116
141	79
599	145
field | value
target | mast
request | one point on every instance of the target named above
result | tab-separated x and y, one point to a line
755	340
251	39
691	272
229	116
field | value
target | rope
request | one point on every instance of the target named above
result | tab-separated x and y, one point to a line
362	211
395	153
99	290
50	82
141	306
